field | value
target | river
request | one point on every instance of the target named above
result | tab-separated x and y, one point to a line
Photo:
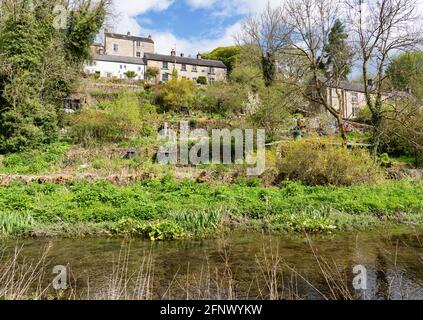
234	266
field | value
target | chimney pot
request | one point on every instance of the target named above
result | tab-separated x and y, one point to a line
182	55
173	53
199	56
128	33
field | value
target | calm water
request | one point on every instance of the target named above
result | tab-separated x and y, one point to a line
242	266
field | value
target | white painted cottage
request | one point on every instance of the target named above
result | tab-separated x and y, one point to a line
110	66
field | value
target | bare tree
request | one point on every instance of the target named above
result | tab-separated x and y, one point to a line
270	34
381	29
311	22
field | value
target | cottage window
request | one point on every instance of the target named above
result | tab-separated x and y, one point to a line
165	77
165	65
138	54
194	68
138	43
354	97
115	47
211	70
184	67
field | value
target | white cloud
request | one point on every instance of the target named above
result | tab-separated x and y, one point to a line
127	10
233	7
166	41
201	3
125	20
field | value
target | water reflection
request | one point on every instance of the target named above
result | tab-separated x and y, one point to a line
237	266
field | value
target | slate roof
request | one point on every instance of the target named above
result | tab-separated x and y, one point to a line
359	87
185	60
345	85
128	37
119	59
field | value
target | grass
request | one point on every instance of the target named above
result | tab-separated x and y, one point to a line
45	160
166	209
408	160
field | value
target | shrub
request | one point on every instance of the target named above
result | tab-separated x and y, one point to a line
152	73
119	121
325	163
28	126
202	80
131	74
177	93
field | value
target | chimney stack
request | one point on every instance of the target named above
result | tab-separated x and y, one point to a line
199	56
149	36
173	53
182	55
128	34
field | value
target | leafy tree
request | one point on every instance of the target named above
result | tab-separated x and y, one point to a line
338	53
247	70
228	55
337	64
406	73
83	26
40	65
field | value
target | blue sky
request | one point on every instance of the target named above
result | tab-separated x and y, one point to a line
185	21
190	25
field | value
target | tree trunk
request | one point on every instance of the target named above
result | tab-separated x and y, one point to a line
340	116
377	122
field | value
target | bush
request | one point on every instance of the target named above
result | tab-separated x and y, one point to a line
202	80
120	121
28	126
325	163
177	93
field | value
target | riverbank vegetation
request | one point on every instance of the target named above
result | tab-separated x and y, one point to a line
167	209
